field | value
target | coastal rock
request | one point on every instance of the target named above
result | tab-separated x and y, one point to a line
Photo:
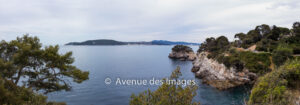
183	53
218	75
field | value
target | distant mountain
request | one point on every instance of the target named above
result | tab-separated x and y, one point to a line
114	42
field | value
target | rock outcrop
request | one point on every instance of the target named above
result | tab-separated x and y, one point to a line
218	75
183	53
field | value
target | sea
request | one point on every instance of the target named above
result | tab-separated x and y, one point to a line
110	66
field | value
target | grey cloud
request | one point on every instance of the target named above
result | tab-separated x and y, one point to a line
61	21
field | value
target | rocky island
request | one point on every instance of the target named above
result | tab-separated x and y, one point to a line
183	53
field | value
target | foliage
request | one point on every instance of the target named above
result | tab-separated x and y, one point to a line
266	45
272	43
27	67
167	94
281	54
215	46
265	37
11	94
296	29
42	68
232	61
184	48
240	36
294	40
274	88
254	62
268	41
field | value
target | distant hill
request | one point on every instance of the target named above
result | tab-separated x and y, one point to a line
98	42
114	42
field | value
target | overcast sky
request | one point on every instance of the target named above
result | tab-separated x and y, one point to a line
62	21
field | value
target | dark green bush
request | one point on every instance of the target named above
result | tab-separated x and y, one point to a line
11	94
184	48
255	62
167	93
281	54
215	46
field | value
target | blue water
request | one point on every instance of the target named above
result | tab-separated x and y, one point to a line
132	62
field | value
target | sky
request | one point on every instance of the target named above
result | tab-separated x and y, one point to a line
63	21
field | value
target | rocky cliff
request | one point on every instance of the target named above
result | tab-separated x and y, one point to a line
218	75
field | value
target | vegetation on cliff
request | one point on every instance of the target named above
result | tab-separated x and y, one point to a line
264	51
281	54
182	52
268	38
257	49
279	87
167	94
221	50
254	62
183	48
26	67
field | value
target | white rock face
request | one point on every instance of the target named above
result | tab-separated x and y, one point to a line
218	75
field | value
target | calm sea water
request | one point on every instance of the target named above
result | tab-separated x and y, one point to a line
132	62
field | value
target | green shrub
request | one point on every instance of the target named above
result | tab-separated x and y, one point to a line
274	88
167	94
255	62
231	61
281	54
184	48
266	45
11	94
215	46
